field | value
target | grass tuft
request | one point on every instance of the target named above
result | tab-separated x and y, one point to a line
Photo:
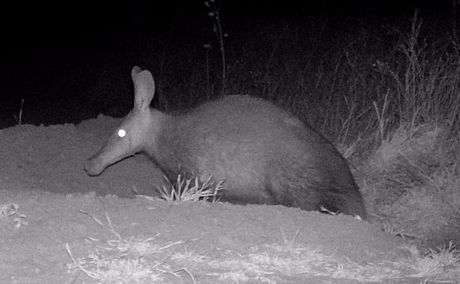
191	190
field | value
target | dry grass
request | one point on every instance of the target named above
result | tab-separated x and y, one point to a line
191	190
436	262
410	185
126	260
143	260
11	211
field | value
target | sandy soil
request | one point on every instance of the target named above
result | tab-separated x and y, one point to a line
42	172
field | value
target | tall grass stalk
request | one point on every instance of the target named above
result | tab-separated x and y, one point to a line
425	80
214	14
19	118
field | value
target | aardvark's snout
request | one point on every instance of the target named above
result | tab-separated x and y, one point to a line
93	167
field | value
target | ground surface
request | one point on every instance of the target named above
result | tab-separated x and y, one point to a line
41	171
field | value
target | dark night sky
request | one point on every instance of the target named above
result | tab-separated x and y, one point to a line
42	41
26	25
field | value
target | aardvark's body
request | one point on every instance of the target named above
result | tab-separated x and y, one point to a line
264	154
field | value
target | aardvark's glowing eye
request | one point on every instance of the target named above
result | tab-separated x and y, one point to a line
121	133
